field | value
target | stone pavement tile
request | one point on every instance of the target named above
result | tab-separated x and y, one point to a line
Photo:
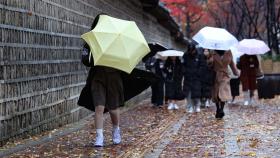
146	142
166	138
200	136
256	129
245	131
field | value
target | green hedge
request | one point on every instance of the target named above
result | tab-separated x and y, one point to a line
273	58
266	56
276	58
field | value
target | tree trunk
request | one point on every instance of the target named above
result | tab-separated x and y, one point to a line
272	27
188	26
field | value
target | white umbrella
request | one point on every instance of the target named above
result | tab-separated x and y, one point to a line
252	47
215	38
167	53
157	56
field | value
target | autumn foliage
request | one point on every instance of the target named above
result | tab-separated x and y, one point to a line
190	14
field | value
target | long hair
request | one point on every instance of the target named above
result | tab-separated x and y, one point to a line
220	52
87	58
95	21
191	47
93	25
169	61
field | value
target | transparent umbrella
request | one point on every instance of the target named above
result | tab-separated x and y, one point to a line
168	53
215	38
252	47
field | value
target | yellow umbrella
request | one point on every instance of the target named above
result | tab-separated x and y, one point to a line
116	43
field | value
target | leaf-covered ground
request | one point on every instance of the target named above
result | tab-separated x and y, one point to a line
245	131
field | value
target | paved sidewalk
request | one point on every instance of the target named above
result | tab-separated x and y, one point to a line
246	131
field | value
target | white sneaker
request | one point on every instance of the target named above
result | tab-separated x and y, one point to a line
175	106
170	106
197	108
207	104
252	102
246	103
190	110
99	140
116	136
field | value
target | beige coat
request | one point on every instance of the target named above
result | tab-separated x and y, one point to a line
221	87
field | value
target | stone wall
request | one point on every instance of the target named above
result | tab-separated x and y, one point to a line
40	71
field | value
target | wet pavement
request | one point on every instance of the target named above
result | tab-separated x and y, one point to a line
245	131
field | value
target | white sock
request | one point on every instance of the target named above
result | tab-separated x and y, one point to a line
116	127
99	132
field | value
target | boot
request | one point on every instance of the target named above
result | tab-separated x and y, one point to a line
217	110
220	110
222	113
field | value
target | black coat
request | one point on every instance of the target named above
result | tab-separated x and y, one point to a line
192	82
198	76
206	76
134	83
173	79
154	65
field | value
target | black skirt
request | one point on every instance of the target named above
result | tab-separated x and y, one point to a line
173	90
107	88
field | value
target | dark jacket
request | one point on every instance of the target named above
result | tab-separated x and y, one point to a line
134	83
173	79
198	75
248	65
207	77
173	71
157	68
192	76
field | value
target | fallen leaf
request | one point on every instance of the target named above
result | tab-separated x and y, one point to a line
251	153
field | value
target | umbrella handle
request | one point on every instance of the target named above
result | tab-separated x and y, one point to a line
89	57
86	58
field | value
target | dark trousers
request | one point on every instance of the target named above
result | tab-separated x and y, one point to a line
234	86
157	93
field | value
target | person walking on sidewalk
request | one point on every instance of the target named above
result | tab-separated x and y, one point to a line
106	88
248	66
173	81
234	85
107	91
207	77
156	66
192	78
221	89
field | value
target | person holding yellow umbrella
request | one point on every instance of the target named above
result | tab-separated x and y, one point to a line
112	50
